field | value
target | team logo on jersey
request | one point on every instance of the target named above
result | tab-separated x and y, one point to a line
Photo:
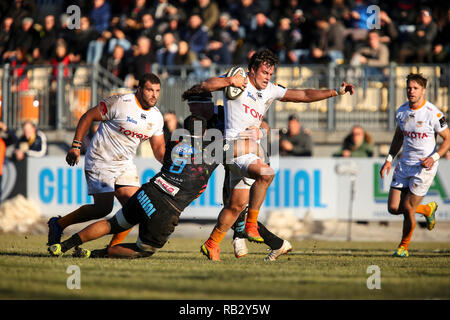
143	116
249	94
442	122
149	126
259	94
419	124
166	186
131	120
439	115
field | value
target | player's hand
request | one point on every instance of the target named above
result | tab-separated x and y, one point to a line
427	162
386	167
252	133
346	87
239	81
73	157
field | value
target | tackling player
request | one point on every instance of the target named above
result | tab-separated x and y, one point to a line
249	175
157	205
418	123
126	121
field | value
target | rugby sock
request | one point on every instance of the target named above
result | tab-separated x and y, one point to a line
215	238
239	225
252	216
424	209
73	241
270	239
407	234
119	237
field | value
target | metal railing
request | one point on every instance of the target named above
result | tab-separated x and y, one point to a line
56	97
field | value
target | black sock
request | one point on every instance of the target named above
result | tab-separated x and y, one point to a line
270	239
239	225
73	241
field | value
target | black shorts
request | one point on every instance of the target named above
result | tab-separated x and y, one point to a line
157	218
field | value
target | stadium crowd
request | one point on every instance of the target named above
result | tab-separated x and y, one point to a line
128	36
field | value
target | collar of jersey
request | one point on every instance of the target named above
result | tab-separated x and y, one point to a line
250	80
417	108
139	104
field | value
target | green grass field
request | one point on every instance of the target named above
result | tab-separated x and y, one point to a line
314	270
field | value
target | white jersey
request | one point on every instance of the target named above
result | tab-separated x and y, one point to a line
419	127
125	124
249	109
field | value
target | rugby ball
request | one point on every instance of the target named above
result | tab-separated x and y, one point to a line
231	92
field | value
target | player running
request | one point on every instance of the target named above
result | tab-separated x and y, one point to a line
249	175
418	123
200	103
126	121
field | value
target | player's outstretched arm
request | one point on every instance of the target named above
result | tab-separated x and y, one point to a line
428	162
93	114
396	145
218	83
312	95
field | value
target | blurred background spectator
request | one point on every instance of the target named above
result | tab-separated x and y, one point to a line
296	140
358	143
170	125
32	143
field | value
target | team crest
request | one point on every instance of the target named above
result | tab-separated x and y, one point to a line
419	124
149	126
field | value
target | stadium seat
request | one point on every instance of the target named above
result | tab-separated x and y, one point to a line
39	78
28	106
81	76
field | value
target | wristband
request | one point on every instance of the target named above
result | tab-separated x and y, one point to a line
435	156
77	142
340	91
389	158
76	147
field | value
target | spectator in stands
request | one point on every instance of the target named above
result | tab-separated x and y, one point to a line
100	15
115	63
19	63
373	57
61	56
262	33
315	9
208	10
46	48
26	37
245	12
339	9
388	33
358	143
32	143
148	27
141	63
297	46
196	34
7	137
226	32
441	49
21	9
185	56
418	47
6	42
295	140
170	125
166	55
82	38
114	38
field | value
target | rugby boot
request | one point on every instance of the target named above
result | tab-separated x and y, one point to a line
274	254
251	229
431	219
240	247
401	252
211	252
81	253
55	250
54	231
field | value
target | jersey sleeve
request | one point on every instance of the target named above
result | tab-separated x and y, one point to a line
159	126
278	91
439	121
108	107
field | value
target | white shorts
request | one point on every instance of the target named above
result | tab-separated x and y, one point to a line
239	178
417	178
103	180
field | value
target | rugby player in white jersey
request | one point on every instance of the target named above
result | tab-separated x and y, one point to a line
418	124
126	121
250	176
